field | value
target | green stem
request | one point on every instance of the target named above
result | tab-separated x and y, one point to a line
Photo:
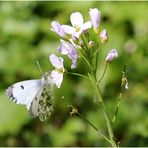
99	132
97	50
96	63
77	74
85	43
103	73
118	104
109	125
96	56
86	61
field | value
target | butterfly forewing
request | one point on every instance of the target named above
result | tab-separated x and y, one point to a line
23	92
35	94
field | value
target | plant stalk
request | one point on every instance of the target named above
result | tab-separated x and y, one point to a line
108	121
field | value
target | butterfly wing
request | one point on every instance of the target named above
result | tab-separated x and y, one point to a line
23	92
42	104
35	94
34	111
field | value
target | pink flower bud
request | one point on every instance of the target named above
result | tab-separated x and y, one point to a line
91	43
111	55
103	36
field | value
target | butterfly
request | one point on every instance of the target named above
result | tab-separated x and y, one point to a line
36	95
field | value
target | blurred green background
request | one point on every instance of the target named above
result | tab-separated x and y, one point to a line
25	37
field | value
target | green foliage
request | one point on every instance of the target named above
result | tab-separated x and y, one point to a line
26	37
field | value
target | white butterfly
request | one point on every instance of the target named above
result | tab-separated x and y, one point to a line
36	95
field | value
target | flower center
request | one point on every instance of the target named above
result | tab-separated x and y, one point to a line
60	70
77	28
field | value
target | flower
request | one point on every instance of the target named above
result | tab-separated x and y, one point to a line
95	17
57	74
70	50
78	26
111	55
103	36
56	27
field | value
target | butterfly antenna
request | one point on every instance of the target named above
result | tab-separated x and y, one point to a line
39	67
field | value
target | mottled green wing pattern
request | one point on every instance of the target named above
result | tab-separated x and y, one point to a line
45	106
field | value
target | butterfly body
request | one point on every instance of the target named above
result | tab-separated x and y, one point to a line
36	95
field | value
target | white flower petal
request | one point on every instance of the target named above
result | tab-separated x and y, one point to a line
68	29
77	34
56	78
76	19
56	62
86	25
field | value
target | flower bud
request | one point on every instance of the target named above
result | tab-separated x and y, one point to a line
103	36
91	44
124	82
81	43
95	18
111	55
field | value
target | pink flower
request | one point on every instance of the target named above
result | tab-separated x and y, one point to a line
70	50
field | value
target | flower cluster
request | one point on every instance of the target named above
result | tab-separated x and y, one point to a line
76	42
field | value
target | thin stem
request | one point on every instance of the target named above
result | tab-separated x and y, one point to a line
123	83
98	49
77	74
96	64
84	42
103	73
99	132
86	60
96	55
118	104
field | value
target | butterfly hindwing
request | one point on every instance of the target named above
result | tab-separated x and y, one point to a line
46	102
42	104
34	111
23	92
